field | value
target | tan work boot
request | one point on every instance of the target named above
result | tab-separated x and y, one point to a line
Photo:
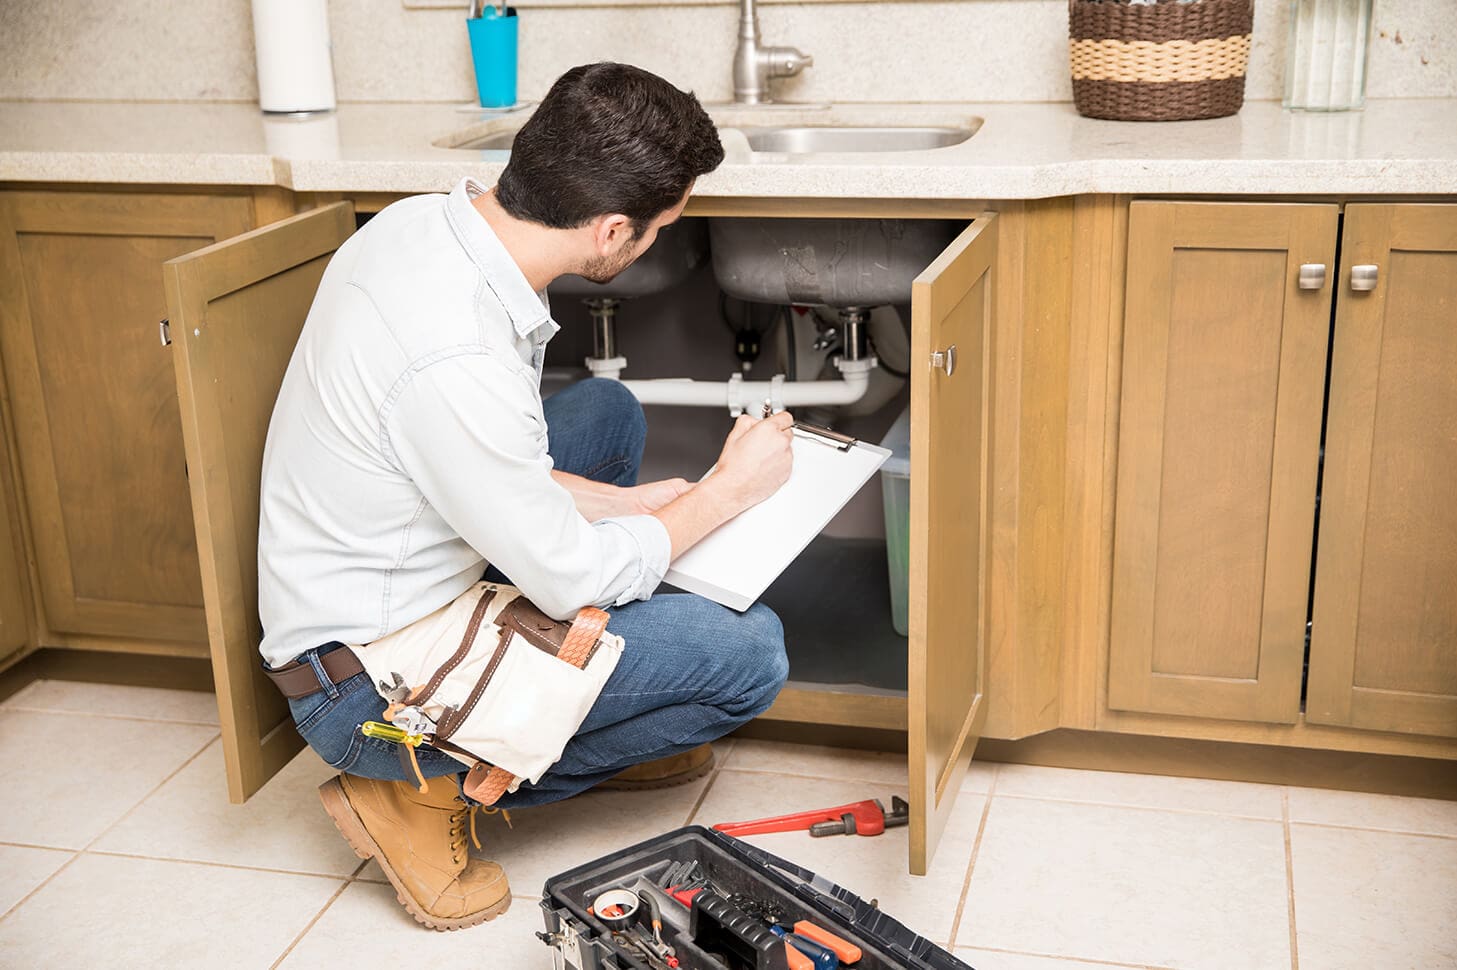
679	769
419	842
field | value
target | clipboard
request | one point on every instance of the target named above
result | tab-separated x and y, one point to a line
735	563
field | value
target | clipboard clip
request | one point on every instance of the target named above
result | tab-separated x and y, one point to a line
825	436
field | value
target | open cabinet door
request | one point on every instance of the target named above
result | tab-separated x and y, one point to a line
951	334
236	309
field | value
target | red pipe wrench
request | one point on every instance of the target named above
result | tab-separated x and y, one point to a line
858	818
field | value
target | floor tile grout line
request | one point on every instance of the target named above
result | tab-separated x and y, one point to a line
986	811
703	795
38	845
863	779
77	853
43	883
343	885
1369	828
1062	956
156	788
104	714
1289	878
218	865
1142	808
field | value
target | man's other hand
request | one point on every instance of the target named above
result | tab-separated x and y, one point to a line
650	496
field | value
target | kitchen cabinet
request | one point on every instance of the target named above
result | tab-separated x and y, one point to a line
94	409
237	308
1218	446
15	626
1383	646
1228	317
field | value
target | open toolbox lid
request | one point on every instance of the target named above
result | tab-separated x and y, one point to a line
735	867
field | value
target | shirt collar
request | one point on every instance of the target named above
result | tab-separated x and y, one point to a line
526	308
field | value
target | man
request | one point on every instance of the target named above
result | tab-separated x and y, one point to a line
410	447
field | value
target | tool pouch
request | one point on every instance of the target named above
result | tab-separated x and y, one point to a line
494	682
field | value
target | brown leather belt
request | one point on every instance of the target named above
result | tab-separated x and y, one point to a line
299	680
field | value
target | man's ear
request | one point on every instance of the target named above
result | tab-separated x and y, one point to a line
610	233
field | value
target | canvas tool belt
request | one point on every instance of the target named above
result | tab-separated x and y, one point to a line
494	682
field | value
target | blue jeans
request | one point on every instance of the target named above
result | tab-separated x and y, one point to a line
692	670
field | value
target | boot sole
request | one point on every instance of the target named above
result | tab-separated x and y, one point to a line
349	824
670	781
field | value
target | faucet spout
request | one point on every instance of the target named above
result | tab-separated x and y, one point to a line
755	65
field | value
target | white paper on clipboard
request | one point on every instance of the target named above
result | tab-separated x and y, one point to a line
736	562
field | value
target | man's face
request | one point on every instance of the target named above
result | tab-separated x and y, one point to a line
605	268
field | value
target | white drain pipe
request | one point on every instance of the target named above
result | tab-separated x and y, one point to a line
739	395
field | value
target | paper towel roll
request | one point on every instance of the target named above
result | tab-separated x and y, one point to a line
295	64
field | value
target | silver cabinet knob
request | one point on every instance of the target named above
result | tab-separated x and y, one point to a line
1312	276
944	359
1363	277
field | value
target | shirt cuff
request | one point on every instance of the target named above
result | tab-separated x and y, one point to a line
655	549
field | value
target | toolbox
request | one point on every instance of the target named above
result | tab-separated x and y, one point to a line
722	904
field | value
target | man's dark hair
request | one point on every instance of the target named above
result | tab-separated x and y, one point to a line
607	138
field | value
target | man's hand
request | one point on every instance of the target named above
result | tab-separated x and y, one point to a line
597	500
650	496
756	458
755	461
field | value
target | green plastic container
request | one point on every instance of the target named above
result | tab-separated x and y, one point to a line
895	485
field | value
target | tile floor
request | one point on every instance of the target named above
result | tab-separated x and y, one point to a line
119	849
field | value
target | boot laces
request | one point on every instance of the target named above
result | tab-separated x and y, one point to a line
461	819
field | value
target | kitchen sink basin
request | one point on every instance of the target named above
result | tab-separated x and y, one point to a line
803	141
496	141
836	262
793	129
679	250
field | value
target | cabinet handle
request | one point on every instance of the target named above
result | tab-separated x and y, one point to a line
1363	277
165	327
944	359
1312	276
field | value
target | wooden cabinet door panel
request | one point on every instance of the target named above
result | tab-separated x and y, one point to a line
99	439
15	627
1219	432
1383	650
951	307
237	309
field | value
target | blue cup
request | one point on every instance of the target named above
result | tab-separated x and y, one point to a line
493	50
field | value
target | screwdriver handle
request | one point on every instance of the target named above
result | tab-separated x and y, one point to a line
820	957
844	949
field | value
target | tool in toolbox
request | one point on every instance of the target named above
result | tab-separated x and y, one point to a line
730	906
858	818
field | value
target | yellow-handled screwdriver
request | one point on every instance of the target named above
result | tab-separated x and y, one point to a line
388	732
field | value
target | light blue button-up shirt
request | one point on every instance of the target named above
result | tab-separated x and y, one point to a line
408	445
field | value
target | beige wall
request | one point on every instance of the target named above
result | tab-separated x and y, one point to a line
944	50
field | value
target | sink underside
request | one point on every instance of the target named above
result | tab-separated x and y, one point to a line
837	262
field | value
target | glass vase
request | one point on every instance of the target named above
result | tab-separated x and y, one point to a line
1325	68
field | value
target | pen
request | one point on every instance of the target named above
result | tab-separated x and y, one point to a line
842	442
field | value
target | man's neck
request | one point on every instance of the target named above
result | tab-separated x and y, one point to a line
531	247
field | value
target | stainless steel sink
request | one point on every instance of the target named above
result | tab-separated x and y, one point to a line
837	262
797	132
803	141
497	141
679	250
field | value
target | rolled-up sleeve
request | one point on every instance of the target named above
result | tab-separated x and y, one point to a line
469	432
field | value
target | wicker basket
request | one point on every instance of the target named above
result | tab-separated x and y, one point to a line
1159	62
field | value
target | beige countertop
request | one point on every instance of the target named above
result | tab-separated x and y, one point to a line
1021	151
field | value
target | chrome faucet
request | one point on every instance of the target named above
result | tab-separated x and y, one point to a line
755	65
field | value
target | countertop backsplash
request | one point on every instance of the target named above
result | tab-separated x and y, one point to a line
942	50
